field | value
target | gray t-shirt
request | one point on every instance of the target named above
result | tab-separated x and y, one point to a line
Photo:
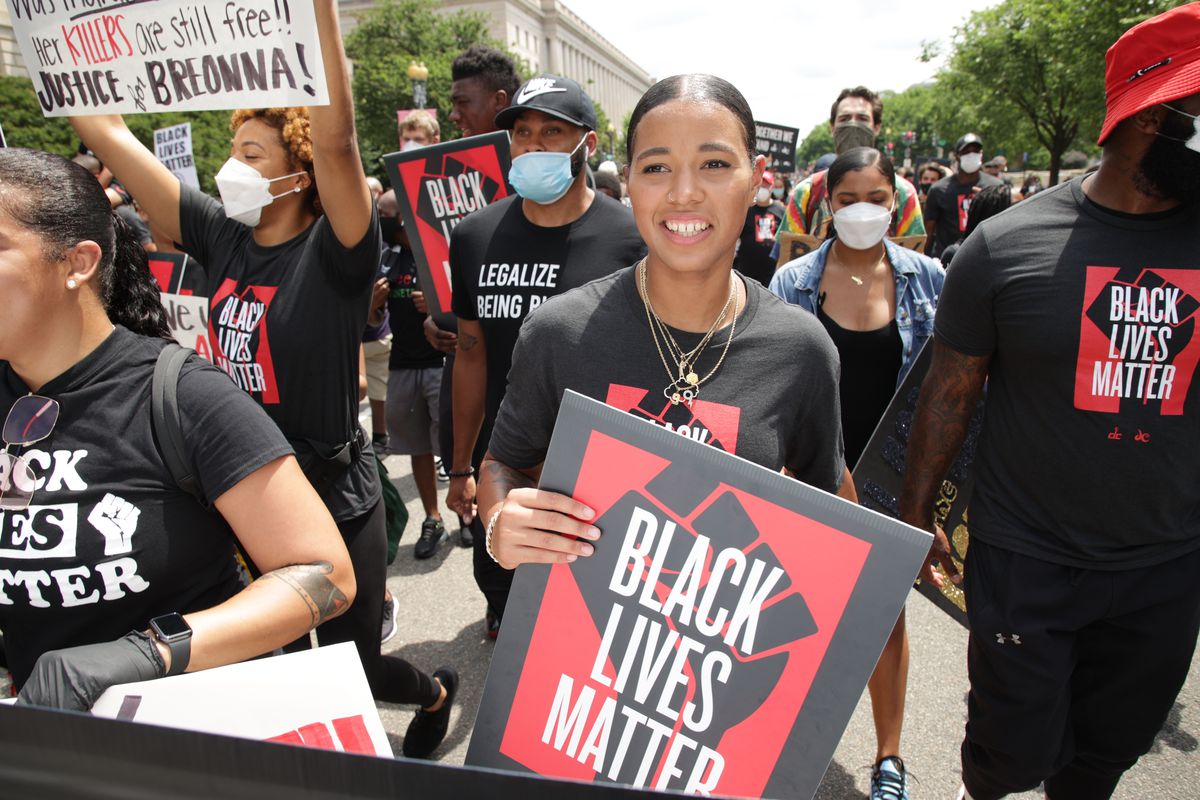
1088	454
774	400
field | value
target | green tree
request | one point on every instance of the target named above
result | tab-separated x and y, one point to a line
817	143
24	126
1038	65
388	37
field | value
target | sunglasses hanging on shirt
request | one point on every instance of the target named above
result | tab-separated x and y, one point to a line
30	420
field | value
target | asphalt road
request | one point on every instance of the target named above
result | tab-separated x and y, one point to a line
441	622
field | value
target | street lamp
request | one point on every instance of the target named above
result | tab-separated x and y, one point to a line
612	138
418	73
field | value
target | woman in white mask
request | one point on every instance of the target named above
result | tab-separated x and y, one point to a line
876	301
291	270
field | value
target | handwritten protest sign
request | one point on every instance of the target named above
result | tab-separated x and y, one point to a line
436	186
187	316
131	56
173	146
778	144
719	637
315	698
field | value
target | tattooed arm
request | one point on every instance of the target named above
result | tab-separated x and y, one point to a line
307	576
949	395
470	397
531	522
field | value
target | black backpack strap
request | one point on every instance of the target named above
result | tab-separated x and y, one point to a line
164	410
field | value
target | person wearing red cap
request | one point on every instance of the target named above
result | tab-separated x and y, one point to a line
758	234
1079	308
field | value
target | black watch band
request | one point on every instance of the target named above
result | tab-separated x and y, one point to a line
173	631
466	473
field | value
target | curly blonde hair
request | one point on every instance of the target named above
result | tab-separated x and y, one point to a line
295	132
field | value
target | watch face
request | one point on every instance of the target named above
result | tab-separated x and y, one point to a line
170	626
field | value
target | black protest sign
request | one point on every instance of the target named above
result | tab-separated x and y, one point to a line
438	185
879	477
718	639
778	144
137	56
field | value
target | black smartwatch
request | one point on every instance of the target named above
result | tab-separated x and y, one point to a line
173	631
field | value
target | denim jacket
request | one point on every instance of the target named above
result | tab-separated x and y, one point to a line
918	285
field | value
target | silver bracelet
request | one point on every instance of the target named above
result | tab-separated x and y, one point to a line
487	539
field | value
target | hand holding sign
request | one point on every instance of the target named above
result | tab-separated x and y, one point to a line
540	527
155	55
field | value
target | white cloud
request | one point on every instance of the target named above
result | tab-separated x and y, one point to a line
789	59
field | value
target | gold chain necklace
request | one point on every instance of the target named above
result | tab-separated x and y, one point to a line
685	383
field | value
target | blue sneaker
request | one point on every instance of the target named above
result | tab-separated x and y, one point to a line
889	780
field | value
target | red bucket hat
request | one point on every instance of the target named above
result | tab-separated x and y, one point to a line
1156	61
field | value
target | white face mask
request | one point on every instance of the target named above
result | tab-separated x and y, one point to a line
245	192
1192	143
763	195
410	144
861	226
970	162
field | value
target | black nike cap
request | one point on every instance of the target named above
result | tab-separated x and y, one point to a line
554	95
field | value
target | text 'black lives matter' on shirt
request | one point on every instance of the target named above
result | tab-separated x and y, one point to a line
503	266
774	400
286	323
1088	455
109	540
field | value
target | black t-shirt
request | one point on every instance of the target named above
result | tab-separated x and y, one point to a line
947	205
774	400
1088	453
758	238
286	323
410	348
110	540
130	217
503	266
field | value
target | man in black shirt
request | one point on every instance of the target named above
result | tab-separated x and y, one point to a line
414	374
950	198
758	236
1079	309
508	258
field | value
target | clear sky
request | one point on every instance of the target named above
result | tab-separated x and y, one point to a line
789	58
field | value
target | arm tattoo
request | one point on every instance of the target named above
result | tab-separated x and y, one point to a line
948	398
466	341
310	581
496	480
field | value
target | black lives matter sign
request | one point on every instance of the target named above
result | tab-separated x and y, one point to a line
436	187
132	56
682	655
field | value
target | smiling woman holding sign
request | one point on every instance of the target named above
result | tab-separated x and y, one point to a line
291	259
680	338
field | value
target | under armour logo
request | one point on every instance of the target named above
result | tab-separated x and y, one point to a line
535	87
1014	638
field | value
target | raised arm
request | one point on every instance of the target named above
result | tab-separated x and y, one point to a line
345	197
949	394
138	170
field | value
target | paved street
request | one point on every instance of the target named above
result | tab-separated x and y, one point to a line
441	622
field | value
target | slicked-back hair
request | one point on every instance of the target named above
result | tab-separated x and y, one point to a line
695	88
63	204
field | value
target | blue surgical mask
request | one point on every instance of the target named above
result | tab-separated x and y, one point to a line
543	177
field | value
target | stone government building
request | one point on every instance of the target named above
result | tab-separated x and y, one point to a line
552	38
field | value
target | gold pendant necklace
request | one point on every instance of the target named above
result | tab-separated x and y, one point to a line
686	387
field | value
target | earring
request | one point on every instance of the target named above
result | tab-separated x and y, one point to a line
71	284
